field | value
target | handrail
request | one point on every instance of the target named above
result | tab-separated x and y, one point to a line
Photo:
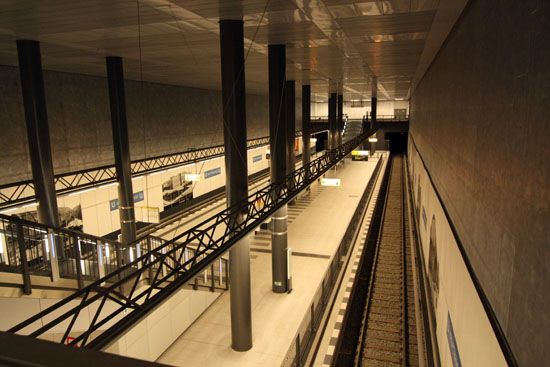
22	192
167	265
382	118
32	248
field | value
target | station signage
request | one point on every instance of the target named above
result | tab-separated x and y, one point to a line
335	182
212	172
138	196
193	177
360	153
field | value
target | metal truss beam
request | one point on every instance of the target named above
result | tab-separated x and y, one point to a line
22	192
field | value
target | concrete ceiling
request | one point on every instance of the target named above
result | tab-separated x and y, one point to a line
331	44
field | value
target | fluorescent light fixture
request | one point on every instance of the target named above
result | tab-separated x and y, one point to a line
99	255
46	244
373	140
3	244
194	177
400	99
107	252
335	182
81	192
31	204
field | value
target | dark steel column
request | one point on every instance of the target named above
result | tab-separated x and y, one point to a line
278	148
121	147
34	102
290	105
374	93
340	118
332	137
373	102
306	123
236	179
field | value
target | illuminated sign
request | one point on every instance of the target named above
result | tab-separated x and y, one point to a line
360	153
194	177
373	140
330	182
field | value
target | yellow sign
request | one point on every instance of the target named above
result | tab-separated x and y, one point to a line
360	153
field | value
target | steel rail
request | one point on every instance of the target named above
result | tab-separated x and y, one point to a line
210	239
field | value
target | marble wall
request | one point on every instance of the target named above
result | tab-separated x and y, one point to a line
162	119
480	119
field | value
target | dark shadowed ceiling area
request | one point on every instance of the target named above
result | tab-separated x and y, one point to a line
336	45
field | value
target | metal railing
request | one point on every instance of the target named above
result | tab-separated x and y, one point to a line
379	118
298	352
22	192
166	265
30	248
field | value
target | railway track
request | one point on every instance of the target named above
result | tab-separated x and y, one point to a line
388	335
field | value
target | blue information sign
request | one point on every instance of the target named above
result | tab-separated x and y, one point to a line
212	172
138	196
455	356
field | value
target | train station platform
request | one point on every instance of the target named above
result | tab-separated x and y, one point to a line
317	224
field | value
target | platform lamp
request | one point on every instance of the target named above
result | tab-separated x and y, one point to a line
372	140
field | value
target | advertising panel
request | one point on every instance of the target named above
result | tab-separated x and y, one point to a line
178	189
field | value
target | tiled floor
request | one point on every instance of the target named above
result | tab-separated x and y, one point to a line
317	224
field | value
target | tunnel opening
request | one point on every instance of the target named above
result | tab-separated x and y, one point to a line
398	142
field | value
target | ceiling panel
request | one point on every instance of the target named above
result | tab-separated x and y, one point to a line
332	44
